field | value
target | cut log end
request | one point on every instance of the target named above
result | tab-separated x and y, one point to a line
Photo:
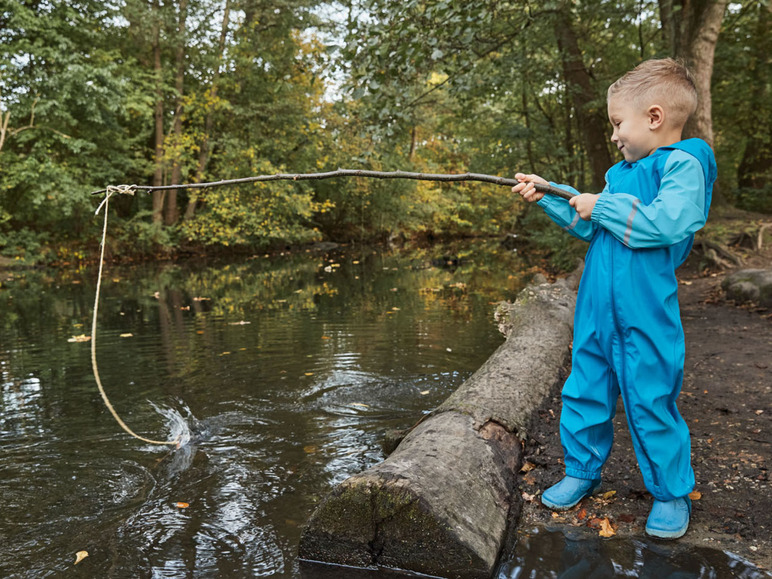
385	524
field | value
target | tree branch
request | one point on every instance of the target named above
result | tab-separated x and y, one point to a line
548	189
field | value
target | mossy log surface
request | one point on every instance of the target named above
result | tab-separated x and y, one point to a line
443	502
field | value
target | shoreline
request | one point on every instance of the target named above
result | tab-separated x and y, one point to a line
726	400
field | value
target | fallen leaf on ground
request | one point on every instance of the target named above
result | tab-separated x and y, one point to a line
607	495
80	555
695	495
606	528
528	466
581	515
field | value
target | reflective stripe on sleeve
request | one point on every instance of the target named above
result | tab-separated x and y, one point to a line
630	218
571	225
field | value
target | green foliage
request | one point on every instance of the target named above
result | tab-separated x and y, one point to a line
754	199
24	245
257	215
422	85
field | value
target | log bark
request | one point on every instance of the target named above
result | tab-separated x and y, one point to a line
443	502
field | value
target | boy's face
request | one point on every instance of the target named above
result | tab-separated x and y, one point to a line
632	129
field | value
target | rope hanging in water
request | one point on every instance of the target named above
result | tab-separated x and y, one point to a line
129	190
548	189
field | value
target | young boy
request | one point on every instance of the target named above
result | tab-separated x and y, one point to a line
628	336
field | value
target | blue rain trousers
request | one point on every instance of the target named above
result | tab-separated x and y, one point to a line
628	337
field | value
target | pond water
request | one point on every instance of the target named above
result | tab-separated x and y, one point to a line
287	370
284	372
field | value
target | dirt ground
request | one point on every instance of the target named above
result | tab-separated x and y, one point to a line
727	402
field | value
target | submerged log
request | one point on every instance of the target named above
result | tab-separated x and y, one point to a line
442	502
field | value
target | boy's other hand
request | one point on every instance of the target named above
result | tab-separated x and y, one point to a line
526	187
584	204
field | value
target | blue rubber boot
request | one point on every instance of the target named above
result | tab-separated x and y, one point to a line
568	492
669	519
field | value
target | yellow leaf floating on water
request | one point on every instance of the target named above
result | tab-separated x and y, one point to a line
359	404
80	338
127	335
181	505
80	555
310	449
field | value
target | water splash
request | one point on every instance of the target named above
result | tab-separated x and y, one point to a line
181	428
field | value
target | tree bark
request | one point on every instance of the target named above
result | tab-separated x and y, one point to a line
171	210
443	502
755	170
592	121
158	117
692	28
205	152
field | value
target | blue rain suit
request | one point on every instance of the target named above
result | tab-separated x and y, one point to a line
628	336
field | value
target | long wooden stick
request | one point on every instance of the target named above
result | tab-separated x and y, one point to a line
549	189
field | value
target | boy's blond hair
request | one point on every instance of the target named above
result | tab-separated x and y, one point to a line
665	82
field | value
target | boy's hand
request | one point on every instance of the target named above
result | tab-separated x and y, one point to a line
526	187
584	204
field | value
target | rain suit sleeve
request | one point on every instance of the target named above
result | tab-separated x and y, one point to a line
677	212
566	216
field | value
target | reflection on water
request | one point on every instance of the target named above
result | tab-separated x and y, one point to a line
280	376
574	554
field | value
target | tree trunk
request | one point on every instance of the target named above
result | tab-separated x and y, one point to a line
755	170
171	211
442	503
692	28
592	121
205	151
158	116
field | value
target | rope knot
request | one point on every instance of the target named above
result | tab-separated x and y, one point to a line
115	190
121	189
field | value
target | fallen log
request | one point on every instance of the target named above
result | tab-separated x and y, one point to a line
442	503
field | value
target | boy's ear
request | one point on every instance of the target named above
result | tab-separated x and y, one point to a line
656	116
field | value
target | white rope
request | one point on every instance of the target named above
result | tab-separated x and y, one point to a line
125	189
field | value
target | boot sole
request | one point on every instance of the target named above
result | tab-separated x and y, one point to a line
564	507
658	534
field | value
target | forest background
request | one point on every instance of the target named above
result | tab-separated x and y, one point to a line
158	92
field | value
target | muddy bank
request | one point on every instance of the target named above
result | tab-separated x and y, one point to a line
727	402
